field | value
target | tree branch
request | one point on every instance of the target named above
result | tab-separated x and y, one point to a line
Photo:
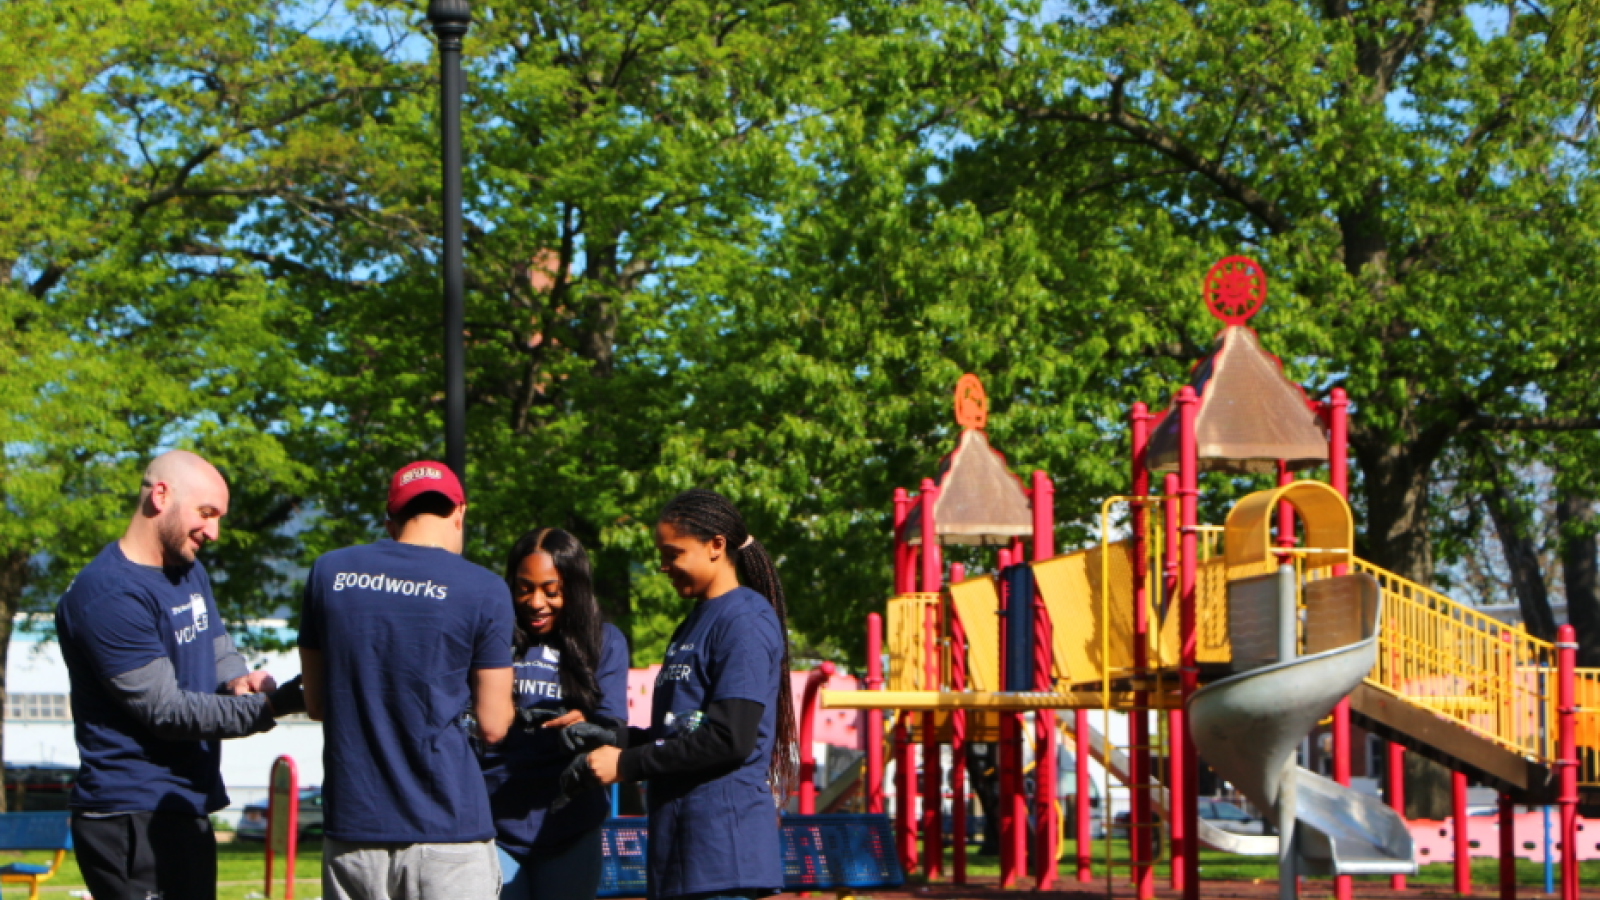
1532	423
1229	183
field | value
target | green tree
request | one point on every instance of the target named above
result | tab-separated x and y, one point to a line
140	139
611	149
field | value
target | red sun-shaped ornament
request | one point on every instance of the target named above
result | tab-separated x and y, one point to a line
972	404
1235	289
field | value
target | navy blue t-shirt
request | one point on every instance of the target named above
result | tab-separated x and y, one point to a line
118	616
522	771
401	627
717	833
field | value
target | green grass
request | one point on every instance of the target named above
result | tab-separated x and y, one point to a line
240	870
1227	867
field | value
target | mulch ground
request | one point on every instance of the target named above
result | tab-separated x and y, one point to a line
1066	889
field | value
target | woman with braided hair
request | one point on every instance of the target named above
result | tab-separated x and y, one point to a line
720	751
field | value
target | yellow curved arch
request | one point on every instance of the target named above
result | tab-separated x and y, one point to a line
1328	526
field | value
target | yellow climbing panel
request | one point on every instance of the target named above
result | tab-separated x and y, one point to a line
977	602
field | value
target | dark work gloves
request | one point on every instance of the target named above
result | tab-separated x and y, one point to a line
533	718
576	778
288	699
581	738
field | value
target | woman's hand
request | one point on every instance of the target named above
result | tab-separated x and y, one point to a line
603	763
567	718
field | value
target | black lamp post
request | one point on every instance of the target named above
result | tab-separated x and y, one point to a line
451	19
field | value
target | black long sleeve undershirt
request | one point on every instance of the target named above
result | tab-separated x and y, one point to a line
726	737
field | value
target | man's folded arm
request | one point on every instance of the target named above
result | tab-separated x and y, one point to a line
151	695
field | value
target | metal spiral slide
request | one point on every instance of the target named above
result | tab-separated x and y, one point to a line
1210	835
1248	726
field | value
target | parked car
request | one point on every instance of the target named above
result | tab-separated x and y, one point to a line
253	824
1220	813
1228	817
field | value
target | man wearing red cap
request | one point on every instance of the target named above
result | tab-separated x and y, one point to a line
398	638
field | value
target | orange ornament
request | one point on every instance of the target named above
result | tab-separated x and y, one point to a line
972	404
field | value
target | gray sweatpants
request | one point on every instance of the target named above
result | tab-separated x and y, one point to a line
410	871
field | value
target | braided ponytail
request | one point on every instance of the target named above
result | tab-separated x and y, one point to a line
706	514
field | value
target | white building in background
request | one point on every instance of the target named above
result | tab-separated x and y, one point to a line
38	723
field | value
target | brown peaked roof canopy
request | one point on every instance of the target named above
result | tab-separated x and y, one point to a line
980	501
1250	415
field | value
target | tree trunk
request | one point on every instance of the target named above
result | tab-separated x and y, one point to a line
1580	572
1396	482
1513	526
13	577
1428	790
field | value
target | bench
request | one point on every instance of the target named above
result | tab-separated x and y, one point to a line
843	853
34	831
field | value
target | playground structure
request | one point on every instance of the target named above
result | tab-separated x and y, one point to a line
1223	642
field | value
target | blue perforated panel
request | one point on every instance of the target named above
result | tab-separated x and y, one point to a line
36	831
624	844
839	851
819	853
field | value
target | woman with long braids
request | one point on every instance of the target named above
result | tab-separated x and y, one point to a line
720	753
570	667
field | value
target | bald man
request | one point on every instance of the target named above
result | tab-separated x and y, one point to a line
156	683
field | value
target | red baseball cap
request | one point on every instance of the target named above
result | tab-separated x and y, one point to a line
415	479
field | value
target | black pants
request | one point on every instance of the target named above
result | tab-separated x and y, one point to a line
146	856
568	872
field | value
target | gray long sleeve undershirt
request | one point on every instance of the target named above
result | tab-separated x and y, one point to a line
230	664
151	695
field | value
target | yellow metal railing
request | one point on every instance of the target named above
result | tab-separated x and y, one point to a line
1493	679
1588	702
1210	540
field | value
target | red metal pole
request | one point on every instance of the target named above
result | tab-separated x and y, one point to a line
903	564
1140	844
285	786
1567	753
905	801
932	814
1009	778
1339	441
1044	720
958	741
1285	511
1189	674
1083	841
1397	797
1458	823
905	822
874	716
808	729
1176	768
1339	480
1508	848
